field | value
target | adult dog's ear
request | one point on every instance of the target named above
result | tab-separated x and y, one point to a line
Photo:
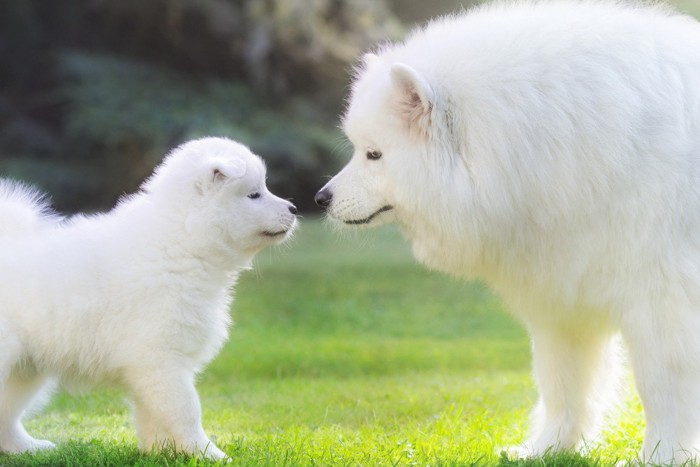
414	99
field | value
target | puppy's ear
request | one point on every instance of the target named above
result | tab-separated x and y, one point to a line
218	176
227	170
414	99
218	173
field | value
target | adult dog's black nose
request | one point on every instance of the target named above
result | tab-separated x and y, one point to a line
323	198
293	209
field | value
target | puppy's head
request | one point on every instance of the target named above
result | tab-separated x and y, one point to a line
217	187
393	124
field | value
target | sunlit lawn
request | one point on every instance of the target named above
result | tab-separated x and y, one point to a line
345	352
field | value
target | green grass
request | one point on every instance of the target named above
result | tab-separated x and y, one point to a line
346	352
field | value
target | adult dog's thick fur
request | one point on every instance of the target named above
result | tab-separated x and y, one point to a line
551	149
137	298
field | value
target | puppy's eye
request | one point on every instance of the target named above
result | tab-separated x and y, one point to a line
373	155
255	195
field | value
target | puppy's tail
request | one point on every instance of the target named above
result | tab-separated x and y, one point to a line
23	210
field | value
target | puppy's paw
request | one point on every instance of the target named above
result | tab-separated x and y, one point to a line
41	444
520	451
213	453
17	445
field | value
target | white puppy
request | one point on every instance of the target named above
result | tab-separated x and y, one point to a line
551	149
136	298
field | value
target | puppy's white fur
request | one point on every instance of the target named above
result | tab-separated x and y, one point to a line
551	149
138	297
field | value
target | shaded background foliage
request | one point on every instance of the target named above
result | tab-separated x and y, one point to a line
94	92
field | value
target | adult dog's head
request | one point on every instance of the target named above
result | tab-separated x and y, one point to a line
394	123
216	188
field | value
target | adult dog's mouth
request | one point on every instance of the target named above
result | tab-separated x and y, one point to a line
369	218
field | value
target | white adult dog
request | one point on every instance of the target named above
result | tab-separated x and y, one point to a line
551	149
137	298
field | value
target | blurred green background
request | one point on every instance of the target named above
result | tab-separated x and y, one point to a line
93	93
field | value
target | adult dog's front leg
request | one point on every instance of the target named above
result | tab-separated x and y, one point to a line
576	371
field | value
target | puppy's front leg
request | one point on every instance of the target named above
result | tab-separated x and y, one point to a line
16	395
167	411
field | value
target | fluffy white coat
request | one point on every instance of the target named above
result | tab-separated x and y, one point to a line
137	298
551	149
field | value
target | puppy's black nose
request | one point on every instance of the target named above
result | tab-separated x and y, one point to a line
323	198
293	209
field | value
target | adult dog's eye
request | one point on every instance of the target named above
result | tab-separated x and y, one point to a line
373	155
255	195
